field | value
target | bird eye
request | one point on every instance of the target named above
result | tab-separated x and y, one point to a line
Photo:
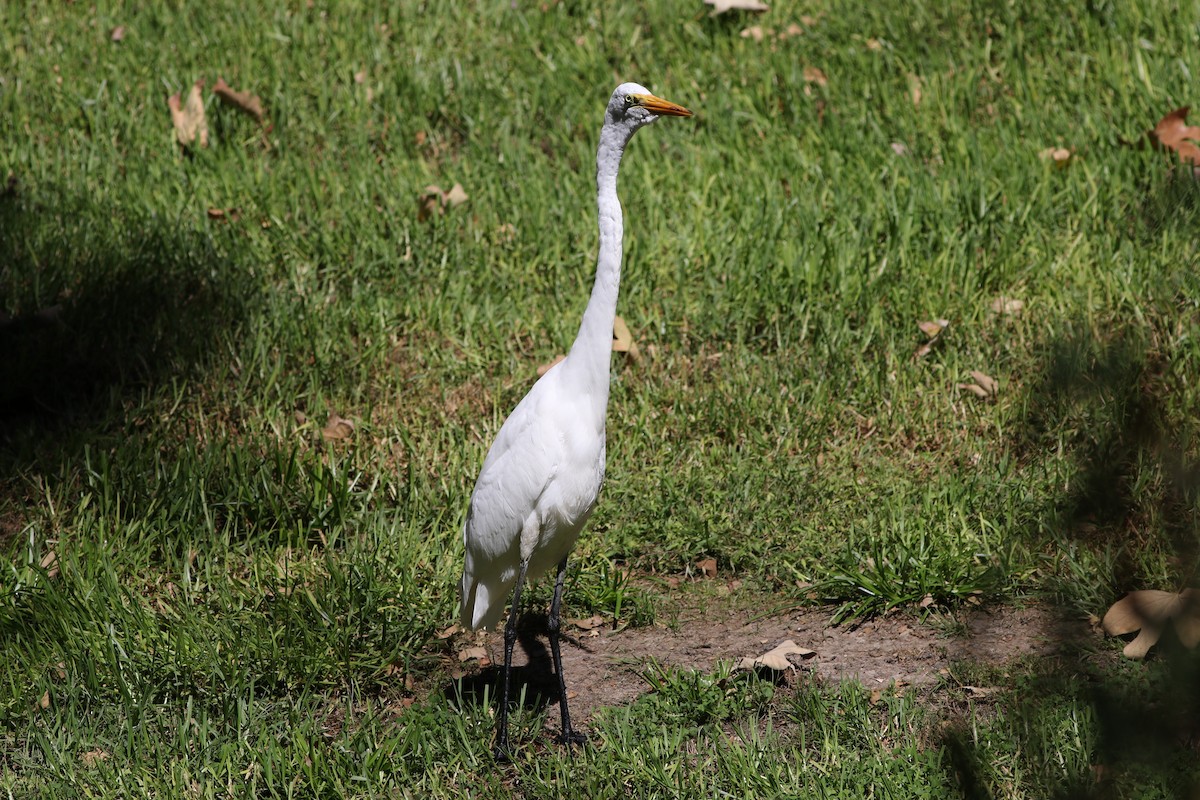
629	100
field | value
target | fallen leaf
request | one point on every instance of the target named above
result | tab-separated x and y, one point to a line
188	117
900	148
1148	611
777	658
446	633
934	327
814	75
1173	133
360	76
933	330
49	563
1059	155
44	701
216	213
591	623
791	30
245	102
456	196
807	20
707	567
874	44
914	89
926	601
117	34
337	428
1007	305
721	6
623	340
984	387
434	200
544	368
980	691
93	757
986	381
754	32
477	653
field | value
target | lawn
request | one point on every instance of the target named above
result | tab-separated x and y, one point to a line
210	589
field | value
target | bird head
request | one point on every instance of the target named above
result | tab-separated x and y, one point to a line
632	105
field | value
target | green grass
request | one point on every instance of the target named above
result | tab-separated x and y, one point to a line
236	604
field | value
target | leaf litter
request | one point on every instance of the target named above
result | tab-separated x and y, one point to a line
1149	612
187	115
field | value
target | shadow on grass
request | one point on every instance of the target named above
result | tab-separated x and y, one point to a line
96	305
534	685
1123	411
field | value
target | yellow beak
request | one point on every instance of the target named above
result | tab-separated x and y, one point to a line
657	105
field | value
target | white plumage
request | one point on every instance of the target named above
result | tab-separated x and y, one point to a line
542	475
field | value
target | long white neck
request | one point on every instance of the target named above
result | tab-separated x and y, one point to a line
591	353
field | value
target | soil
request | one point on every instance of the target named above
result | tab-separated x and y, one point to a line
603	667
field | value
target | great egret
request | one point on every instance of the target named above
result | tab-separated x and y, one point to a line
542	475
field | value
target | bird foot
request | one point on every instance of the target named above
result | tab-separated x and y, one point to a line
573	738
501	753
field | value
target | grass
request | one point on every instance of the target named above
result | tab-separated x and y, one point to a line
236	607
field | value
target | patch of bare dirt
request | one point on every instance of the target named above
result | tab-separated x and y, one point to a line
603	667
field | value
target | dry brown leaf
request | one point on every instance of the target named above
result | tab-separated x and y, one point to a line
1061	156
1173	133
874	44
360	76
623	340
337	428
985	386
93	757
707	567
1148	611
591	623
807	20
44	701
777	658
1007	305
477	653
754	32
544	368
117	34
914	89
446	633
721	6
791	30
49	563
435	200
456	196
188	117
900	148
976	390
988	383
245	102
815	75
933	327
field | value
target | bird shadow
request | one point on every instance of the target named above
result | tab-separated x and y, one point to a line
534	686
101	304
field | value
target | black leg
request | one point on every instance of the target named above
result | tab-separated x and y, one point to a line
569	735
500	751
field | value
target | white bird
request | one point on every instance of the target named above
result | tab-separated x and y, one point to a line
542	475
